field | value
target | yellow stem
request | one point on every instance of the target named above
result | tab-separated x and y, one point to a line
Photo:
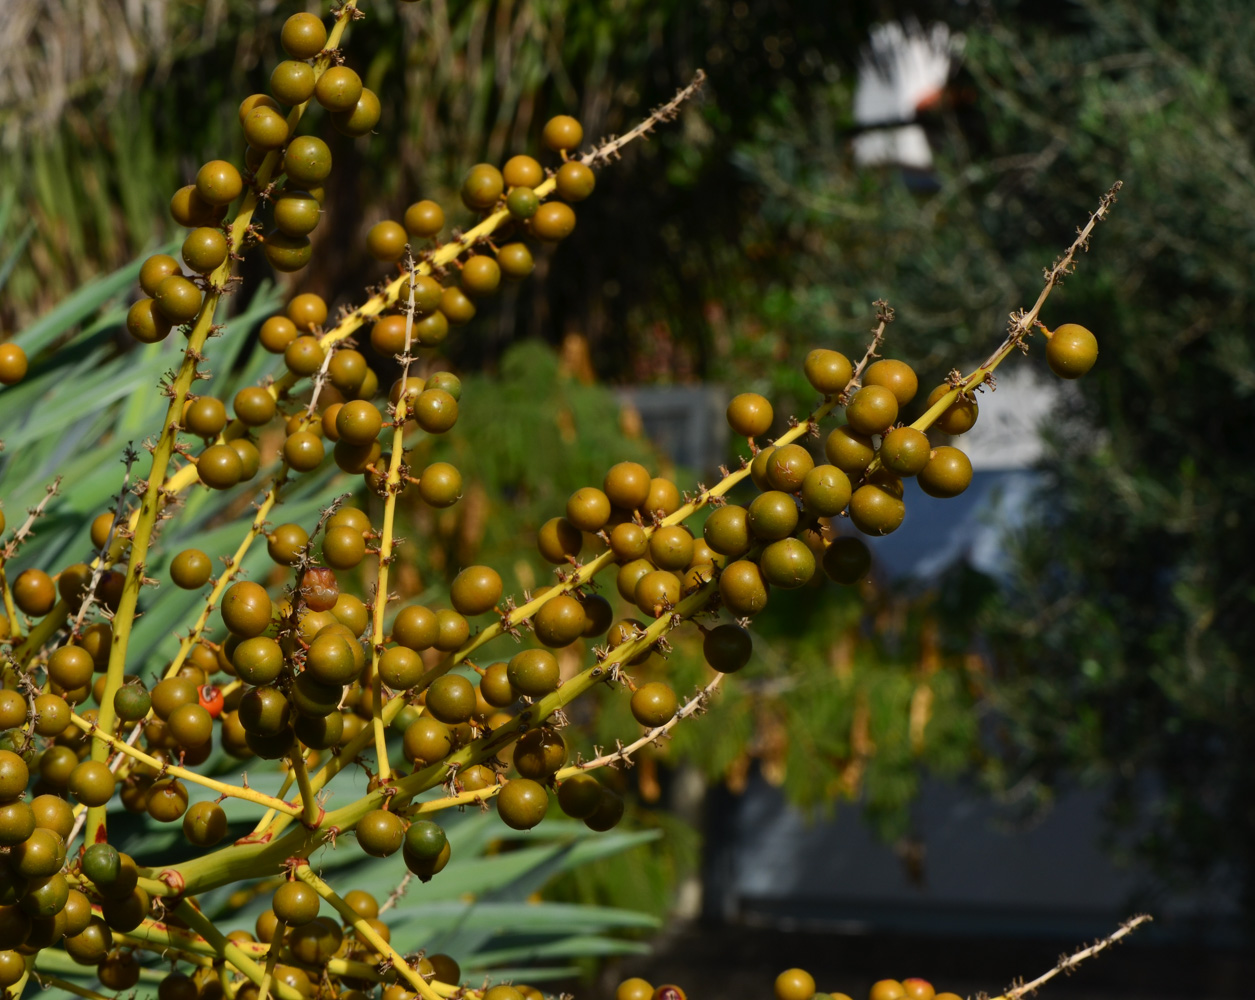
272	956
231	951
365	932
227	576
222	787
312	810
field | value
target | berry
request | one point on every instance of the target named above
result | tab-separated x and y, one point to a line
656	592
1071	351
177	299
608	812
265	129
425	840
562	132
848	450
904	451
772	515
380	833
451	699
522	202
875	510
386	240
146	324
303	36
553	222
246	609
307	160
825	491
742	588
424	219
750	415
191	569
580	795
475	590
34	593
559	540
204	249
287	253
522	803
794	984
533	672
338	89
482	187
253	406
727	648
205	417
947	474
588	509
560	621
297	213
896	376
292	81
654	704
726	530
575	181
787	467
218	183
304	355
189	209
440	485
295	903
787	564
481	275
522	171
539	754
828	371
872	410
361	118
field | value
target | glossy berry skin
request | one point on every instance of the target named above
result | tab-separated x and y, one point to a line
905	451
1071	351
562	132
424	219
246	609
295	903
553	222
191	569
307	161
13	364
849	450
338	89
787	563
204	249
875	510
896	376
794	984
828	371
34	593
947	474
522	803
386	240
575	181
218	182
476	590
750	414
303	36
654	704
177	299
482	187
361	118
533	672
742	588
872	410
